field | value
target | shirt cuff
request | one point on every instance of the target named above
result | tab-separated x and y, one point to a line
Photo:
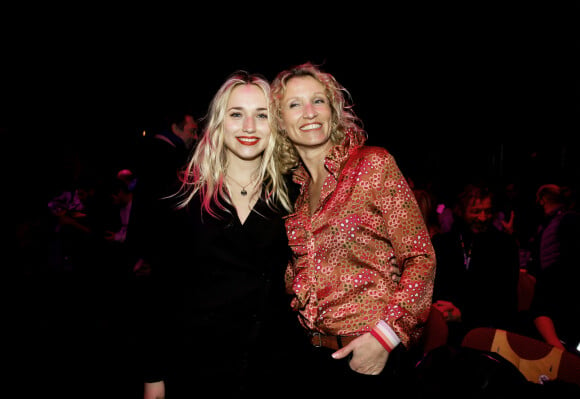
385	335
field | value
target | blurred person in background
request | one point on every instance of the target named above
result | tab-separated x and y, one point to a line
556	266
476	284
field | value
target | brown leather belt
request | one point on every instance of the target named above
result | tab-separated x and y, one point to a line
334	342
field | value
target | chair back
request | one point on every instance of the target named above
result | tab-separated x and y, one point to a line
538	361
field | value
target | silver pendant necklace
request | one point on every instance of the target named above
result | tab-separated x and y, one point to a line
243	192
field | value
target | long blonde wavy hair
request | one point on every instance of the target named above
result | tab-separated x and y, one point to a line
343	117
207	166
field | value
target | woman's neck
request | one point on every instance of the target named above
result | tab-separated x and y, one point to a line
243	186
313	159
242	170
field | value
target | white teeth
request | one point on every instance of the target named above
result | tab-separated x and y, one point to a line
247	140
311	126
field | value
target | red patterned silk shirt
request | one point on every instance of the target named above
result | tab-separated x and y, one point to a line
365	254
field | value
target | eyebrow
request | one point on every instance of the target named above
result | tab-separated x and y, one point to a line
317	93
241	108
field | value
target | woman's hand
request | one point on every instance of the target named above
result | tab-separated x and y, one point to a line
154	390
368	355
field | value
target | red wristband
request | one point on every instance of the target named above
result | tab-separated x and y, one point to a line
385	335
381	340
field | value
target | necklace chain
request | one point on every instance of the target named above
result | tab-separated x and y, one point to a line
243	192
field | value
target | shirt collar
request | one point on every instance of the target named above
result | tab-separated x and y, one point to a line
334	160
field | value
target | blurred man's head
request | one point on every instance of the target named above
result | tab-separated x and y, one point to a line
550	197
476	208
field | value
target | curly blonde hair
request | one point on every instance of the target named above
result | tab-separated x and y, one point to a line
343	117
206	169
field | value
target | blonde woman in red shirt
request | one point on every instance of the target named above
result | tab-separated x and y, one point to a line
363	265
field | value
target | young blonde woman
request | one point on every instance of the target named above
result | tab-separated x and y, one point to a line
218	310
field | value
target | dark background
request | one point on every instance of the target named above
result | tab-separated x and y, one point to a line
456	92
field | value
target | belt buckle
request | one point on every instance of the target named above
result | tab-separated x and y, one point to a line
317	334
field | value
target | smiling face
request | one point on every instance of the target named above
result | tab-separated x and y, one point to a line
306	113
479	214
246	127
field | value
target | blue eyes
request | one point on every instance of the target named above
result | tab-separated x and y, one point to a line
239	115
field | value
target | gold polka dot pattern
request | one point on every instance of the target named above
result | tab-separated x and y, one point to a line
365	254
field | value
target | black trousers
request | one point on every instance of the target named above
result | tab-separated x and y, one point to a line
300	371
323	375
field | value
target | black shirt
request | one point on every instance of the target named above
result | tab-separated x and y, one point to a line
219	291
478	274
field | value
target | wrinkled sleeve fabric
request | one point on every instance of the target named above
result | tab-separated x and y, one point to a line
408	307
